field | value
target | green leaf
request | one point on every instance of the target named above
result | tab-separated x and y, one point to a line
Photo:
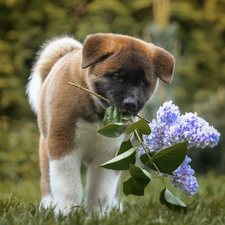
141	176
166	160
129	187
169	159
122	161
141	125
126	145
111	130
112	115
172	202
146	161
127	117
150	177
139	179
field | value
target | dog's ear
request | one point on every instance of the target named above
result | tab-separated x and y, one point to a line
96	48
164	64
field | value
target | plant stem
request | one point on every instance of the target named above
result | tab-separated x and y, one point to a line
158	170
163	181
143	145
91	92
142	118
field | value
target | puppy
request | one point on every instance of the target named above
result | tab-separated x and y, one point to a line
124	70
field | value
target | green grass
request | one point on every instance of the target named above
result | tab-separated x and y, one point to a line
19	205
20	191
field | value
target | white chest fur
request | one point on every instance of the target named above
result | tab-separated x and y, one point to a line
90	143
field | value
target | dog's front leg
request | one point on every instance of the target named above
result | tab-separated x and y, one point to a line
65	181
101	186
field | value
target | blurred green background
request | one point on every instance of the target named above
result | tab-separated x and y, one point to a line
192	30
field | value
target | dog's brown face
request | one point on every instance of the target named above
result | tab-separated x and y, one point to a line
125	70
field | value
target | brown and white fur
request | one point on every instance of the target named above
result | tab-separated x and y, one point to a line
123	69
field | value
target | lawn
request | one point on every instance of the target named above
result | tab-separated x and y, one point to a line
20	191
19	205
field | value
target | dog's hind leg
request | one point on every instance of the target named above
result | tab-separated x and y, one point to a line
46	198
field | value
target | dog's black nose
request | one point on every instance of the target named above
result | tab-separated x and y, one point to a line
130	104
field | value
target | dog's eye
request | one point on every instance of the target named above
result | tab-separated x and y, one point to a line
116	77
142	82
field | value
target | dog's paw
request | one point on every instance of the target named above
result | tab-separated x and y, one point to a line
119	206
63	210
46	202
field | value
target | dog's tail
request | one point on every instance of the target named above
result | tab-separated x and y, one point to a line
49	54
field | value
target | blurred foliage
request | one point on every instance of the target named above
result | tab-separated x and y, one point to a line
213	110
201	66
18	150
192	30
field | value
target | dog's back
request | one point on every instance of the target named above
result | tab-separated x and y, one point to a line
46	58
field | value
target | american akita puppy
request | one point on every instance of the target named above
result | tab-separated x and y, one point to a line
124	70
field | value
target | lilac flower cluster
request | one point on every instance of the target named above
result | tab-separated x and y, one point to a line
182	178
171	128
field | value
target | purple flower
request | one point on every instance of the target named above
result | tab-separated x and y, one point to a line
171	128
168	113
193	129
182	178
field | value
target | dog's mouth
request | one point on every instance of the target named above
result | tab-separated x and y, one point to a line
130	106
124	112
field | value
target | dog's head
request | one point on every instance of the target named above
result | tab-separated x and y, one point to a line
125	70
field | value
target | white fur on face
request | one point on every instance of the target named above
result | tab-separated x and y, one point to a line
33	90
